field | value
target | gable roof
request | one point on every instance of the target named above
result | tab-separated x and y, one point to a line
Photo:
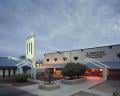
25	62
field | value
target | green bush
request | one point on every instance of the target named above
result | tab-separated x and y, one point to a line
116	93
73	69
21	78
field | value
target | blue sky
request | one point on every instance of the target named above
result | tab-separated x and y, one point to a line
58	24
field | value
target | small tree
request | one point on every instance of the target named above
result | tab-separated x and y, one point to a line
73	69
80	69
69	70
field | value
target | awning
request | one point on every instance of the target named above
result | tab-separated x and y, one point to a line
52	65
111	65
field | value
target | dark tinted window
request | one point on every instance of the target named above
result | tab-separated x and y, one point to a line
55	59
110	47
64	58
75	58
47	60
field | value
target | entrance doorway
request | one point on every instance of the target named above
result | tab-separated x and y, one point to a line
94	72
56	72
114	74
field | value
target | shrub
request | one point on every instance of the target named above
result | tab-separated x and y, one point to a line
116	93
21	78
73	69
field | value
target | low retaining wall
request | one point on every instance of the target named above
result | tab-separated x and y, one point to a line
49	86
75	81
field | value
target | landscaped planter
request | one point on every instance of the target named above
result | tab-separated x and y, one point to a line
73	81
49	86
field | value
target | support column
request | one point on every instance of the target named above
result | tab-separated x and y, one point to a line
9	72
3	73
54	72
105	73
14	72
20	71
33	73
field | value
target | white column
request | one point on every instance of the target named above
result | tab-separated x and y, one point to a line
19	70
54	72
105	73
33	73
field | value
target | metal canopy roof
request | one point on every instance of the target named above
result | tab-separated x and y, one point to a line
8	62
11	62
113	65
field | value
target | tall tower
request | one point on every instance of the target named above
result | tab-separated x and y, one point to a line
30	53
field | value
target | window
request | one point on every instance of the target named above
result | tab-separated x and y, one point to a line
31	47
110	47
55	59
47	60
75	58
64	58
27	48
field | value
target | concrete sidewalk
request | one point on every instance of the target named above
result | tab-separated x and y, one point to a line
67	90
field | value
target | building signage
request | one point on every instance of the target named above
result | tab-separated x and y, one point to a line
98	54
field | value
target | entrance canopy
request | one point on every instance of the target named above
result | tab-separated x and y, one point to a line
92	63
23	63
113	65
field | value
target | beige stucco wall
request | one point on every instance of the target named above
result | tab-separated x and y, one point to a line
108	55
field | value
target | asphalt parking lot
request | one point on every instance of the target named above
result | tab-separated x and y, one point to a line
6	90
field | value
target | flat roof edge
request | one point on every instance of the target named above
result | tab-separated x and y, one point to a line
83	49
